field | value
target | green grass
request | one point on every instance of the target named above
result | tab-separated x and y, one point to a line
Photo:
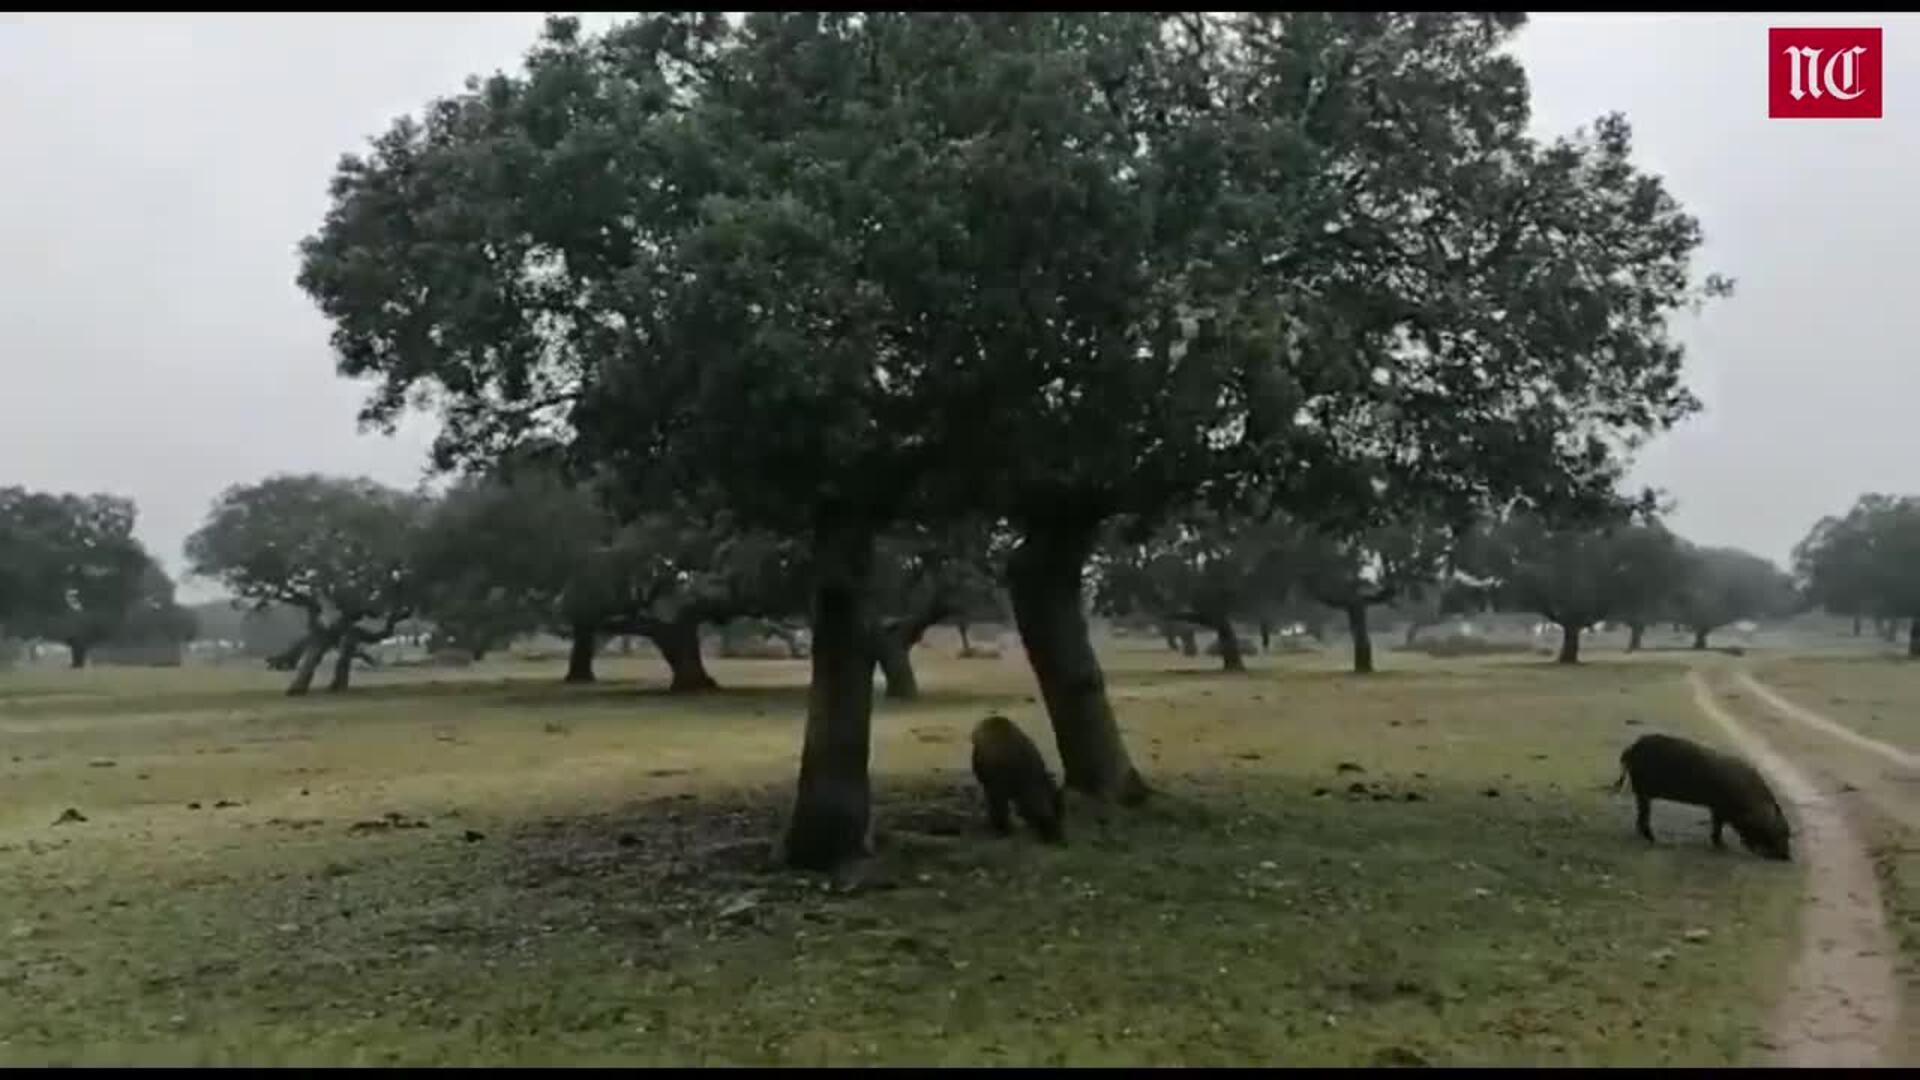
614	904
1876	695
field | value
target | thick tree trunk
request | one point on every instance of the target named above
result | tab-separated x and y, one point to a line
77	654
1045	573
1569	644
832	807
316	648
1230	658
1636	632
580	654
894	657
1266	636
1700	637
343	662
679	645
1189	641
1913	638
1362	639
1168	631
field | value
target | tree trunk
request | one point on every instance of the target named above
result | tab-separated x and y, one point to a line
679	645
1635	633
1045	573
1230	658
77	654
1913	638
832	807
1889	630
966	644
1700	637
580	655
315	650
1569	643
1413	634
343	662
478	652
1189	645
1856	626
1362	639
1266	636
894	657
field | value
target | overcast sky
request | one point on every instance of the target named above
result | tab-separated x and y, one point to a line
160	169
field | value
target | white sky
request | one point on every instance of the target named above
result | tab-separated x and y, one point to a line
159	170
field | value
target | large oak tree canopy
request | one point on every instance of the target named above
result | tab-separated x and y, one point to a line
847	269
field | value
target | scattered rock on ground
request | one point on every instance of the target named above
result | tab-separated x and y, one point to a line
69	815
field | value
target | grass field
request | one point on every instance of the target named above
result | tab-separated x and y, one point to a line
1422	866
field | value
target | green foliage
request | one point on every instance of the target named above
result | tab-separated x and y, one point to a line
1572	573
1653	569
497	554
1866	562
70	568
338	549
1379	565
154	618
1204	567
1054	264
1725	585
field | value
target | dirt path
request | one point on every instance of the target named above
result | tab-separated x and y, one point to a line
1842	1003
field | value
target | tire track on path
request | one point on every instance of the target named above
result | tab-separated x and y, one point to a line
1842	1003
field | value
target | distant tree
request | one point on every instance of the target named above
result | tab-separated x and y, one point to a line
493	556
1867	563
78	569
1358	570
923	577
1204	568
526	547
1726	585
1572	574
155	618
1653	568
1834	563
339	550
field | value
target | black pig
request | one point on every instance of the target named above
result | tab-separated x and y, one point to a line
1683	771
1012	773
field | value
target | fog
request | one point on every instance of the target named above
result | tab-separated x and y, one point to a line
162	168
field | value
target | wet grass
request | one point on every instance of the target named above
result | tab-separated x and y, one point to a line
486	867
1875	695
